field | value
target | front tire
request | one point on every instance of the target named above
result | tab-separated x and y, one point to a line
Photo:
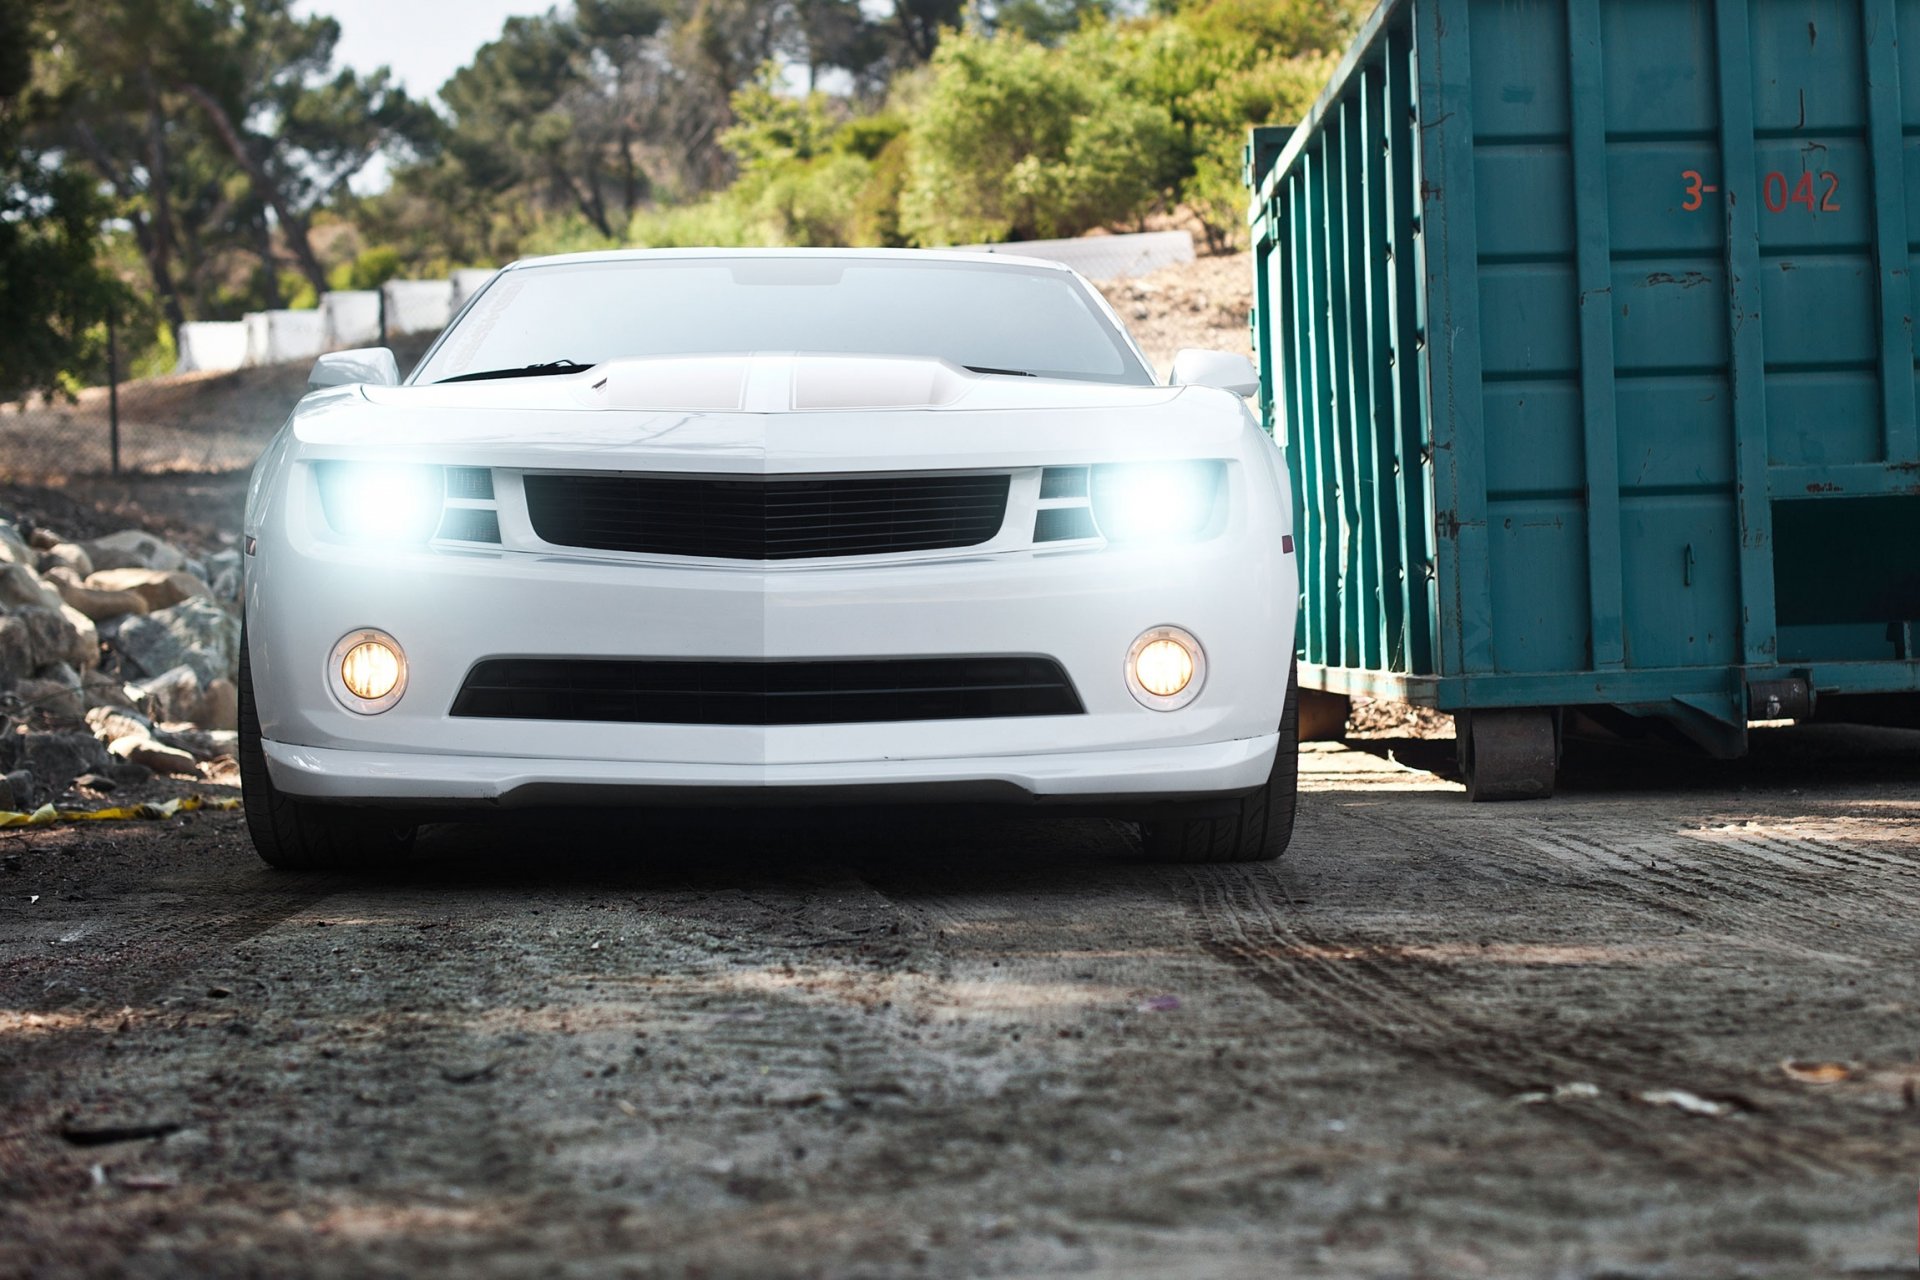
1254	828
298	835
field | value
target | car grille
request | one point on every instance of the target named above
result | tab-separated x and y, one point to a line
842	691
750	519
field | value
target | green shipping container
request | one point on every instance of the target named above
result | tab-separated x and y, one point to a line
1588	328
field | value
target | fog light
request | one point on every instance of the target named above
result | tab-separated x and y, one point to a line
369	671
1165	669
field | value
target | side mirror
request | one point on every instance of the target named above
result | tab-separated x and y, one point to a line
1223	369
374	365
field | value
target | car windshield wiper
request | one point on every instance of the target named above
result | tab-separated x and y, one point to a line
544	370
1011	373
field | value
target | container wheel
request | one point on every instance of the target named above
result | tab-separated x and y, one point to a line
296	835
1508	754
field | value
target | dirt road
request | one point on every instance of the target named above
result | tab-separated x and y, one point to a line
1529	1040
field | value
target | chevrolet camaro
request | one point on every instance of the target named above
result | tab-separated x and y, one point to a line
712	527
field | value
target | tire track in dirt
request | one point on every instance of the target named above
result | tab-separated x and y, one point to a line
134	957
1680	872
1344	982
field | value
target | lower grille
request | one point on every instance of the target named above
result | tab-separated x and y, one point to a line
752	519
842	691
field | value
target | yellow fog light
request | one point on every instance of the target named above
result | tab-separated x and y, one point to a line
1165	669
369	671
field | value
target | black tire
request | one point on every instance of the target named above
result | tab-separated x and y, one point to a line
1508	753
1254	828
298	835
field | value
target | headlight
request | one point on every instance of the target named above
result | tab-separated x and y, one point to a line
377	502
1150	501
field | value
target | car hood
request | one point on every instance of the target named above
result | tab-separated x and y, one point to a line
769	413
765	382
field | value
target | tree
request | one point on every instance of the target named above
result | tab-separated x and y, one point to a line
170	102
260	75
54	290
919	24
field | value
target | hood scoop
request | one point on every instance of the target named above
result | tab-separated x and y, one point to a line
772	383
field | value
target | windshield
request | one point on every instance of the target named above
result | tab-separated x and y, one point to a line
995	316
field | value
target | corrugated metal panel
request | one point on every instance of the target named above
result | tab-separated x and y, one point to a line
1588	327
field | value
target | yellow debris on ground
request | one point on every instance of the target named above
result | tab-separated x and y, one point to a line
46	815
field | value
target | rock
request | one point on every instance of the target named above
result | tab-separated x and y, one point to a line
99	782
194	742
225	573
88	651
16	651
55	690
20	785
219	706
97	604
13	547
53	637
104	691
128	774
197	568
172	696
21	588
66	555
156	756
197	633
110	725
134	549
159	590
57	757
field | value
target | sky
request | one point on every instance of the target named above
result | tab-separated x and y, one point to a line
424	41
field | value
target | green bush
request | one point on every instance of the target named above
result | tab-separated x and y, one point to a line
1014	140
368	269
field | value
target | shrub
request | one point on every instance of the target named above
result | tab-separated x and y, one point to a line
1013	140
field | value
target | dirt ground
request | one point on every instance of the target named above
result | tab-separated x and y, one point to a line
1667	1025
1203	303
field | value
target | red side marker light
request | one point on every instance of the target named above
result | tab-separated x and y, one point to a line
1286	544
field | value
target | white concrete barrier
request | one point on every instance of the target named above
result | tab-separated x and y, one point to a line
350	318
211	345
290	335
257	345
418	306
1104	257
469	281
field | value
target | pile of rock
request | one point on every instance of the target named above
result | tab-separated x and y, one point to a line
118	659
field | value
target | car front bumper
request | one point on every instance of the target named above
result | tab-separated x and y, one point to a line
1082	777
452	608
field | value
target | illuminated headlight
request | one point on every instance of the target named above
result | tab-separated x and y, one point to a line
1155	501
1165	668
379	502
367	671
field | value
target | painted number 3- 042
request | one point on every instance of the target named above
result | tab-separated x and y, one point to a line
1778	192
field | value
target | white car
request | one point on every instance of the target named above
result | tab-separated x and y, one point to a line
794	527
